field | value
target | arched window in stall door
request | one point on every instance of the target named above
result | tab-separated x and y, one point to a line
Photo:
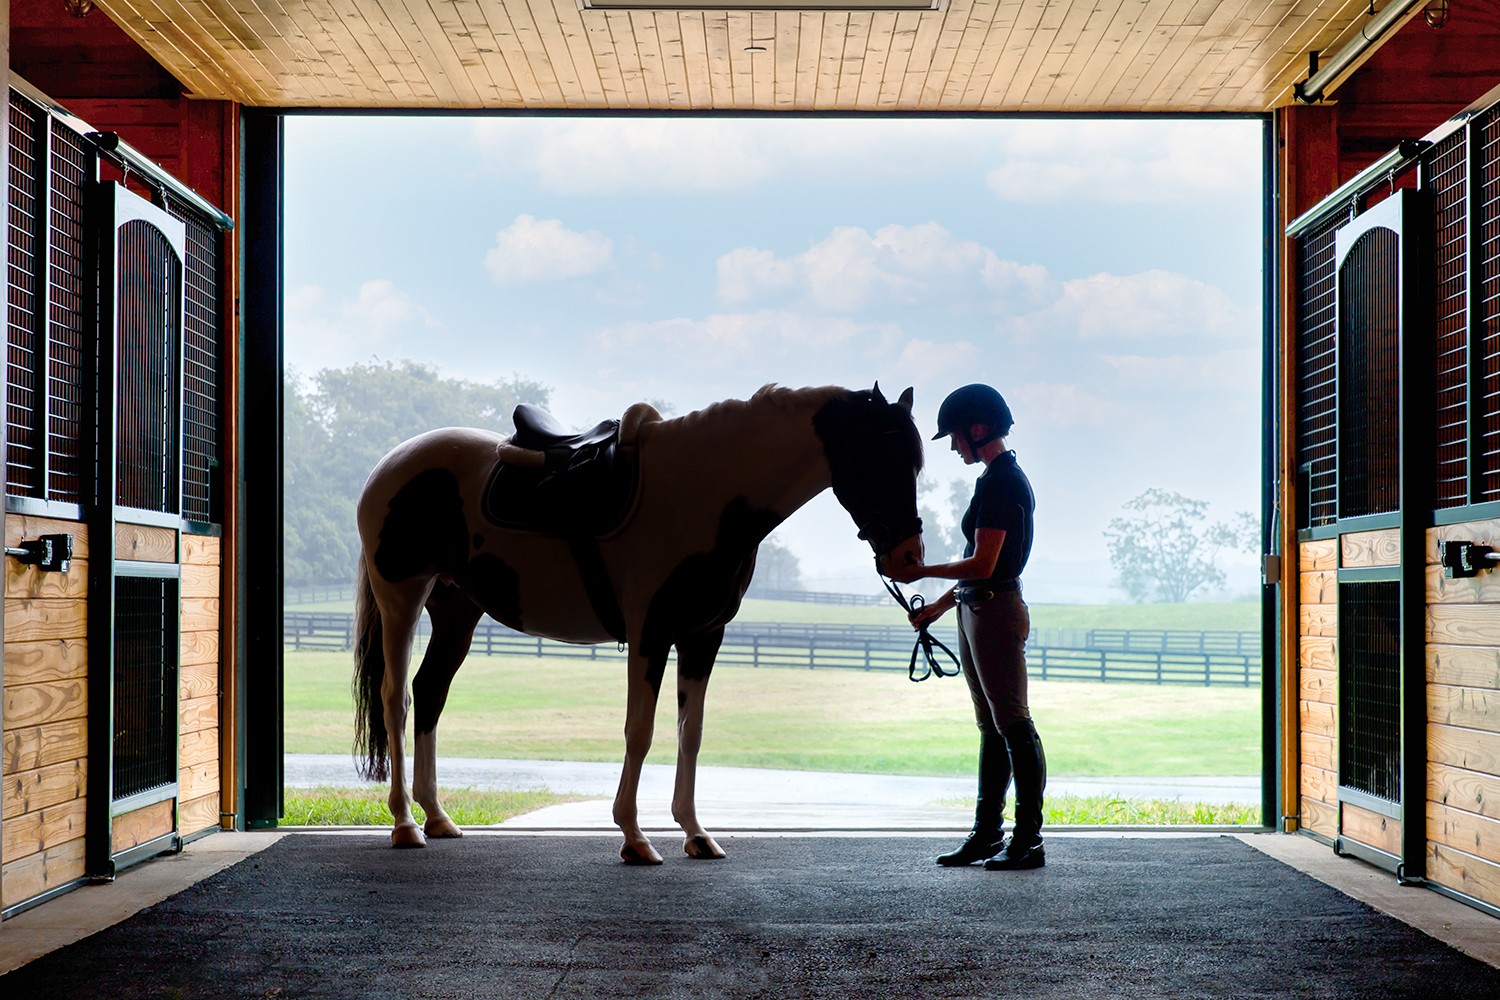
139	493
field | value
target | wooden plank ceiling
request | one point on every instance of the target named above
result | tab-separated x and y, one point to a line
974	55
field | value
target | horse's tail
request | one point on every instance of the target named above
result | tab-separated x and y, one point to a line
370	750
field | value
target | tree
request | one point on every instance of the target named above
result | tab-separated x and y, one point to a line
777	567
941	544
1164	548
342	423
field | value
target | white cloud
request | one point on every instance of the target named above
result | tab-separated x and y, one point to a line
852	269
321	334
1149	306
1125	162
725	339
924	361
1055	405
1221	371
532	250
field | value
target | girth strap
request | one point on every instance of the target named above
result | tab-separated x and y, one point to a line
596	583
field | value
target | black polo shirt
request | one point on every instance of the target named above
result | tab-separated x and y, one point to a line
1003	501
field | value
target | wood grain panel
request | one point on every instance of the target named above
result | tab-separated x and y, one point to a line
200	581
40	746
144	543
200	614
28	621
1317	751
1465	666
48	701
1317	783
1371	828
1370	548
34	875
1319	587
23	580
198	680
47	660
1318	719
33	833
1470	833
1481	589
1319	555
1464	873
196	815
20	527
1469	749
28	791
200	649
1319	686
1318	653
1318	620
1464	624
198	780
1319	817
1471	708
199	714
147	823
1484	532
1467	790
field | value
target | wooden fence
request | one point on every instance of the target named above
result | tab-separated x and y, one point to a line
1109	655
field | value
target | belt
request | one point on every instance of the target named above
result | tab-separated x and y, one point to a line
980	594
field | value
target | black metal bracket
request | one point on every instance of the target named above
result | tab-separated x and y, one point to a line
50	553
1465	559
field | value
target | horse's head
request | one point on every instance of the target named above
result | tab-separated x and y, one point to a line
875	453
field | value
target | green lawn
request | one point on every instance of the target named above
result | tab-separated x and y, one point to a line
827	720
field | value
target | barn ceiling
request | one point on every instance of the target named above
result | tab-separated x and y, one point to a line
972	55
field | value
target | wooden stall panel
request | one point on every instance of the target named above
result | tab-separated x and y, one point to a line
142	825
1370	548
145	544
1317	686
1371	828
199	706
31	876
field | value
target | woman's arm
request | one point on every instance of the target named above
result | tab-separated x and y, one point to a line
987	545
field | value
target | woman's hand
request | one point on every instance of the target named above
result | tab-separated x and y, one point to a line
907	573
928	613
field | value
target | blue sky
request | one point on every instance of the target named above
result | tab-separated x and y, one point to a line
1104	275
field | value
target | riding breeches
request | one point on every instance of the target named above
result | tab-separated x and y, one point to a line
992	648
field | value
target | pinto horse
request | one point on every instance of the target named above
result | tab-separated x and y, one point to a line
467	522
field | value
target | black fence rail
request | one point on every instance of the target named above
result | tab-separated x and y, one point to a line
1120	656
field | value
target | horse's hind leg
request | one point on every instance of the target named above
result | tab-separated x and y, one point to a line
400	609
695	660
454	617
640	719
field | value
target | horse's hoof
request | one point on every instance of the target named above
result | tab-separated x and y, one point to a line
407	835
702	848
641	853
442	827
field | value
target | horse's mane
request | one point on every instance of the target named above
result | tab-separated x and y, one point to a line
776	396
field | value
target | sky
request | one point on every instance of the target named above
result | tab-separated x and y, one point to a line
1104	275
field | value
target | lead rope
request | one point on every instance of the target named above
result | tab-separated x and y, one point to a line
925	639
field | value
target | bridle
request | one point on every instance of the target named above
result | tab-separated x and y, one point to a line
925	639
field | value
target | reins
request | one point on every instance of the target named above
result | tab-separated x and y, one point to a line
925	639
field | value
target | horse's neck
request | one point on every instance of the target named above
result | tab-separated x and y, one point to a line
764	450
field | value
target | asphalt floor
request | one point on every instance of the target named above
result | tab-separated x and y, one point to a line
533	915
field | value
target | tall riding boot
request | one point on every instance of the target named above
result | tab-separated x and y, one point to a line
985	840
1024	849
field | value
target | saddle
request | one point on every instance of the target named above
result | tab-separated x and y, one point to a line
555	482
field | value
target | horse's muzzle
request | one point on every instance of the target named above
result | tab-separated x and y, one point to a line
908	552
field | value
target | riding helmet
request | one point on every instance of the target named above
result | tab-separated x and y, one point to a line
974	404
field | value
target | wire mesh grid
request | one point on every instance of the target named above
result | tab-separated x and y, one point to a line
1369	688
23	457
1317	424
200	367
149	308
145	684
69	337
1369	372
1448	183
1487	301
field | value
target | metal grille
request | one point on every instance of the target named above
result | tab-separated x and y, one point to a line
69	339
145	684
1487	302
1369	688
1448	183
200	368
1317	425
149	319
1369	375
24	330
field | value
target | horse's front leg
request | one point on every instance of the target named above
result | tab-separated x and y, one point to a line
399	624
695	660
640	717
454	618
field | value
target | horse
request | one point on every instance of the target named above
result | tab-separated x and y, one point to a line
642	531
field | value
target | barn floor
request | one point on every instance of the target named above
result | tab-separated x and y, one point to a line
321	915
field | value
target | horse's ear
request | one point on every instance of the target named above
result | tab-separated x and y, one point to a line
879	396
906	399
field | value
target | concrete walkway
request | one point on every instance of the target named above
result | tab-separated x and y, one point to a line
738	798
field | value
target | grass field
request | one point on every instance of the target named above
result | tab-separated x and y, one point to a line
825	720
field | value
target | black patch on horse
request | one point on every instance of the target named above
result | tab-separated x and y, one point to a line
494	586
425	528
874	454
705	589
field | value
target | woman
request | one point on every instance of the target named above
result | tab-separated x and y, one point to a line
993	624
